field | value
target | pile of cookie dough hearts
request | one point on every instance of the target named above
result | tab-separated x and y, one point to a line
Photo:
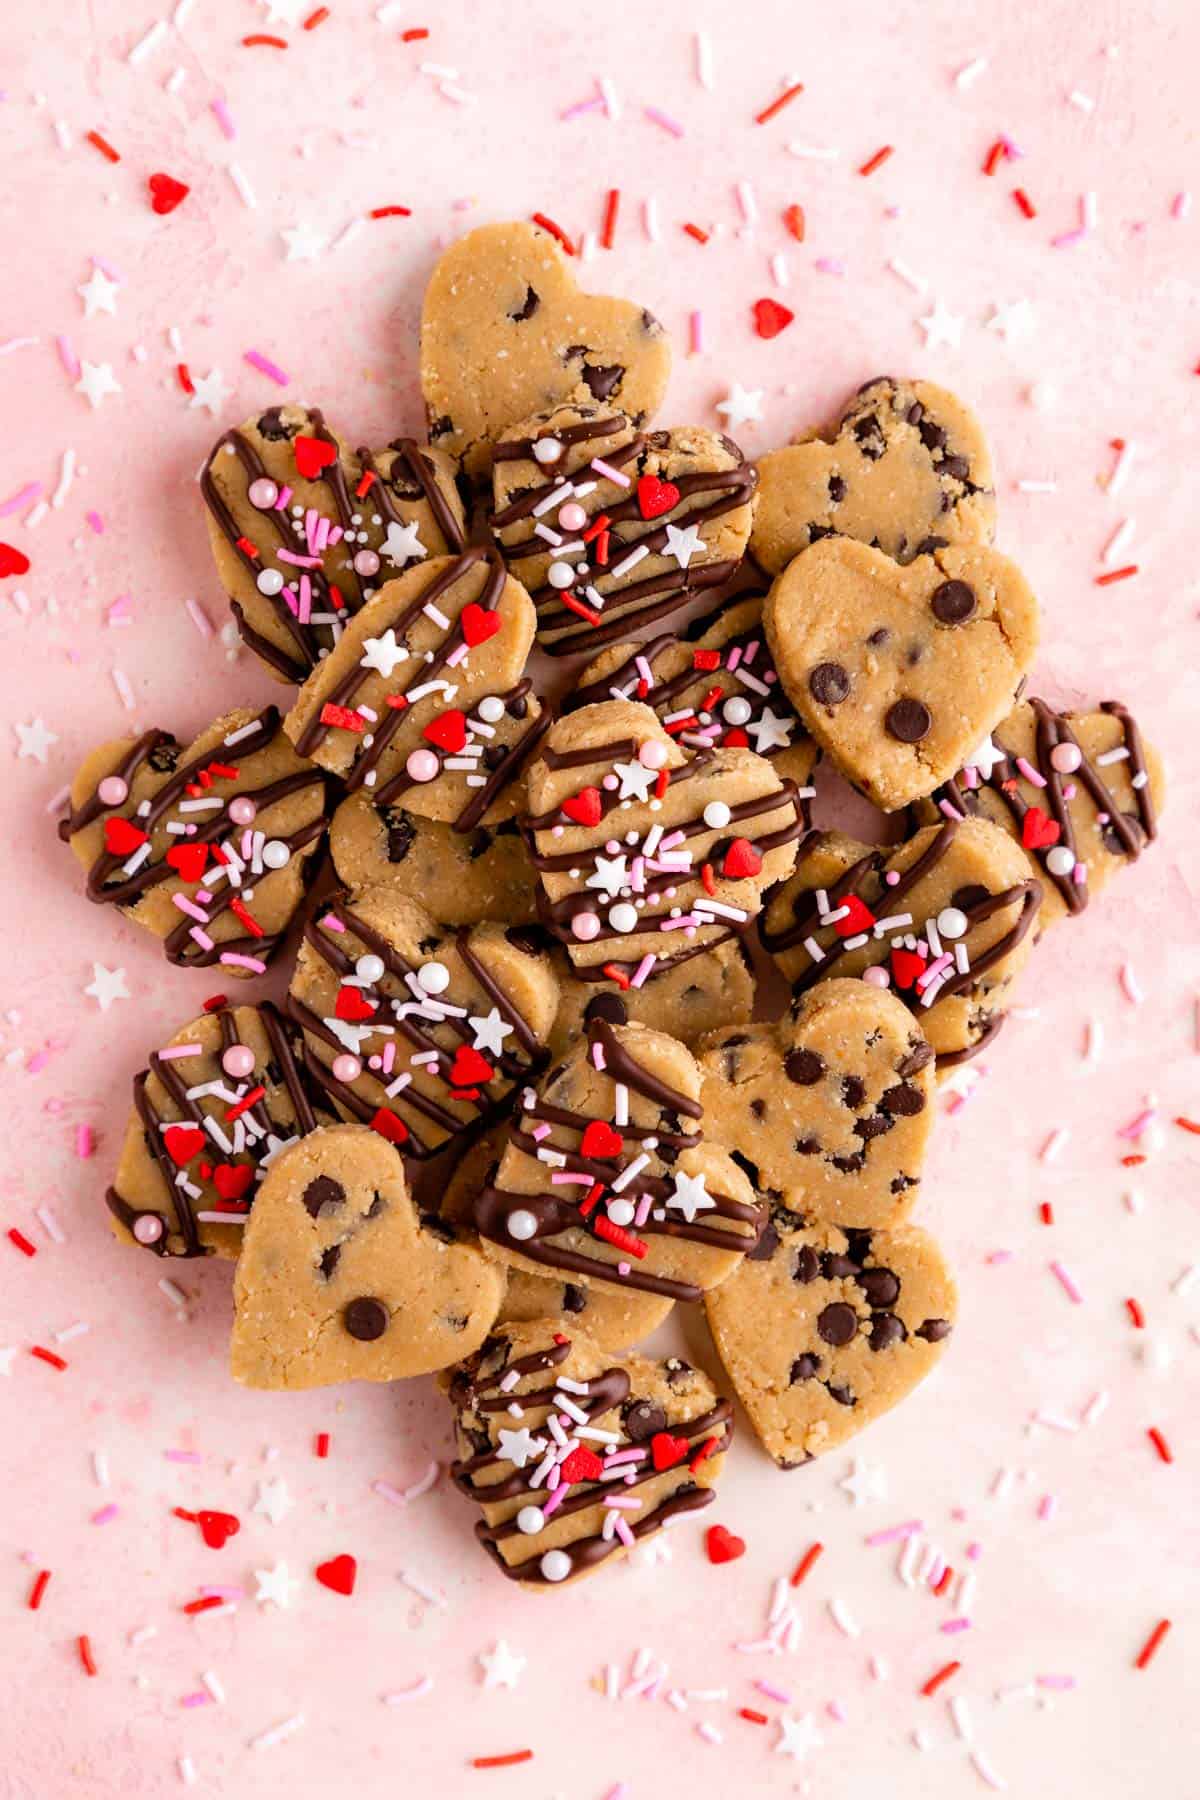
514	1109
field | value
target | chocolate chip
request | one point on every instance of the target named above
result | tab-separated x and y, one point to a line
873	1126
749	1169
808	1265
442	427
366	1319
401	833
272	427
900	1184
909	720
574	1298
849	1165
324	1191
804	1368
677	1371
533	940
843	1396
600	382
758	1108
904	1099
928	545
953	602
164	758
967	897
329	1260
886	1331
916	1060
837	489
836	1267
837	1324
532	302
479	843
934	1330
957	467
829	683
767	1245
517	707
804	1067
808	1146
854	1091
881	1286
642	1421
932	436
650	324
879	637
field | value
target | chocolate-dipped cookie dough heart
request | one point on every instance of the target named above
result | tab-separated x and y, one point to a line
822	1330
341	1279
1080	791
899	672
830	1109
906	468
612	1318
305	531
606	1174
210	1114
209	846
610	528
505	331
417	1032
648	858
944	919
545	1419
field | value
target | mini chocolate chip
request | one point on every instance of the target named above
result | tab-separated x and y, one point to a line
904	1099
677	1371
808	1265
909	720
650	324
401	833
873	1126
957	467
609	1007
574	1298
164	758
900	1184
928	545
324	1191
442	427
517	707
601	382
886	1331
329	1260
642	1420
808	1146
804	1368
843	1396
758	1108
479	843
837	1323
970	896
881	1286
916	1060
749	1169
915	413
767	1245
837	489
879	637
934	1330
527	310
272	427
854	1091
836	1267
829	683
804	1067
533	940
953	602
932	436
849	1165
366	1319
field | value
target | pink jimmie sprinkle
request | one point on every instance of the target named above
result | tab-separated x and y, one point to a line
660	118
1047	1506
1030	773
22	497
1137	1125
598	1055
199	618
331	923
696	334
1060	1683
893	1532
773	1693
200	1699
85	1143
998	1256
105	1514
950	1626
96	523
837	1711
830	265
67	356
224	117
183	1456
553	1501
265	366
1066	1283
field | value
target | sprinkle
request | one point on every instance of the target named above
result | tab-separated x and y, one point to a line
502	1762
556	231
245	192
1112	575
697	232
40	1583
660	118
843	1618
1057	1141
1159	1441
611	208
84	1646
1151	1644
970	72
105	1515
1066	1283
1024	203
1130	986
1136	1316
316	18
21	1241
415	1691
224	118
103	146
267	1739
777	105
56	1362
265	366
805	1564
910	1529
874	162
390	212
258	39
942	1675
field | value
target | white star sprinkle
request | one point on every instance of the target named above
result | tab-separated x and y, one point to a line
520	1447
304	243
383	654
740	406
99	294
6	1359
106	986
1013	321
866	1481
403	544
211	391
275	1586
96	382
683	545
490	1032
34	739
941	326
609	875
502	1665
797	1737
984	759
636	780
273	1500
690	1196
770	732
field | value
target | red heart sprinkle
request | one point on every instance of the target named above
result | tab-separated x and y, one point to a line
582	1465
166	193
183	1142
353	1006
338	1574
448	731
190	860
216	1528
233	1180
1038	830
793	218
666	1451
478	624
706	659
586	807
735	739
907	967
313	455
858	917
13	561
389	1126
741	859
469	1067
770	318
722	1545
600	1140
655	497
121	836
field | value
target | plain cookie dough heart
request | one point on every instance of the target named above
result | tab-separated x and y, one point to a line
821	1330
210	847
690	997
419	1033
505	332
830	1109
305	531
340	1278
210	1114
661	1423
610	528
461	877
945	919
898	672
1080	791
648	858
906	468
606	1174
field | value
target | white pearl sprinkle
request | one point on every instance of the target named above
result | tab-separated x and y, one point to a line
434	977
952	922
717	815
555	1565
369	968
521	1224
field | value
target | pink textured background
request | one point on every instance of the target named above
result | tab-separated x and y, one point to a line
342	121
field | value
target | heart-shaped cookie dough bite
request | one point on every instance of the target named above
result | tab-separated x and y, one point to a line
305	531
341	1279
822	1330
211	1112
691	996
610	528
830	1109
461	877
607	1175
1080	791
945	920
418	1032
545	1419
506	332
208	846
899	672
906	467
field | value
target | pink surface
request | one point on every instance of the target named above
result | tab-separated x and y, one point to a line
342	121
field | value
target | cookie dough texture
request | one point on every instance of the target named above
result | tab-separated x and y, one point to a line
506	332
822	1330
658	1412
900	672
461	877
830	1110
906	468
341	1280
694	995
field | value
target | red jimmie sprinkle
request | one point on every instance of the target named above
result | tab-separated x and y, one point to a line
697	232
84	1645
708	878
262	37
1151	1644
588	1206
247	919
611	207
998	150
1137	1317
1189	1125
21	1241
203	1605
577	606
246	1102
620	1238
368	478
556	231
215	1002
943	1675
413	35
103	146
183	376
322	1444
1047	1212
780	101
1025	203
1117	575
1132	1162
706	660
390	212
793	218
755	1718
1154	1434
806	1562
943	1581
599	525
316	18
703	1453
874	162
662	783
41	1582
616	973
56	1362
502	1762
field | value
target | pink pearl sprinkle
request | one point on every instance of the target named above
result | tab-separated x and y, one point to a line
263	493
610	783
346	1068
877	976
243	810
366	562
652	754
585	926
1066	758
238	1061
572	517
422	765
892	878
112	790
148	1229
